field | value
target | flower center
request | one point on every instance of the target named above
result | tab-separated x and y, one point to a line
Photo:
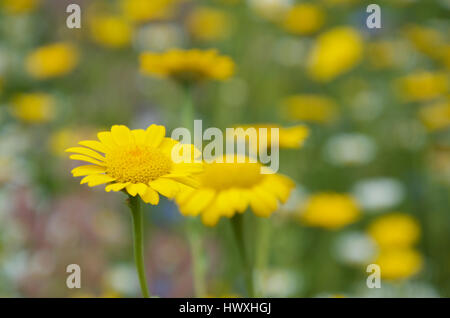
137	164
222	176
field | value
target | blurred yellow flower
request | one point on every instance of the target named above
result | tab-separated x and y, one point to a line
18	6
304	18
111	31
52	60
396	264
309	107
272	10
144	10
427	40
336	52
33	107
230	187
422	86
208	24
289	137
436	116
381	54
187	65
340	2
138	161
63	138
395	230
330	210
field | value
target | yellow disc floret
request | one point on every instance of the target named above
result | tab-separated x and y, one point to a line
137	164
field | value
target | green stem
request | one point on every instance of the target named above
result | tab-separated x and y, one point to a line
187	112
134	204
237	223
198	259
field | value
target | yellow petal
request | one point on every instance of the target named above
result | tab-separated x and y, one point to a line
86	152
121	134
210	217
86	170
191	182
106	138
96	179
151	196
167	145
155	135
94	144
116	186
87	159
199	200
139	136
167	187
134	188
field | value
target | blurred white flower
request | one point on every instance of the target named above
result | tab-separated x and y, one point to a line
405	290
277	282
350	149
158	37
270	9
290	51
379	193
122	279
354	248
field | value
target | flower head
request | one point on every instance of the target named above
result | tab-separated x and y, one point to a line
336	52
208	24
145	10
330	210
138	161
288	137
308	107
437	115
232	186
188	65
395	230
110	31
52	60
423	86
33	107
400	263
18	6
304	18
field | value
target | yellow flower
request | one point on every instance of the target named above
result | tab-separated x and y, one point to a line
309	107
330	210
111	31
145	10
305	18
336	52
381	54
33	107
340	2
230	187
396	230
436	116
138	161
399	263
289	137
18	6
52	60
187	65
208	24
63	138
427	40
422	86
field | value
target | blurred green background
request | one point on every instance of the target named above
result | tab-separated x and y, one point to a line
376	102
